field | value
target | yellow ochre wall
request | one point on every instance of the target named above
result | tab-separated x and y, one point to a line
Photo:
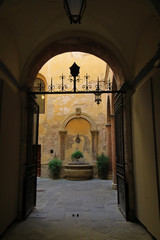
59	107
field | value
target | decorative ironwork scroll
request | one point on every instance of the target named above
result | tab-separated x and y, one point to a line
74	78
76	85
87	86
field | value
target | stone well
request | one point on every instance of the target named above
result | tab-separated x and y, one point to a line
78	171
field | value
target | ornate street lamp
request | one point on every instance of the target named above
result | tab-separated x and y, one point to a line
75	9
74	70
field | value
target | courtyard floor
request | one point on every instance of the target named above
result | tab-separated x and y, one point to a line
82	210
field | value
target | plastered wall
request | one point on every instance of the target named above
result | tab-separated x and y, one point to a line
156	89
144	158
9	156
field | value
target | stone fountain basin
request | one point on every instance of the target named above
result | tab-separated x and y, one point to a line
78	171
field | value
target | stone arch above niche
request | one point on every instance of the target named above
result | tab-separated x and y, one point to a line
79	114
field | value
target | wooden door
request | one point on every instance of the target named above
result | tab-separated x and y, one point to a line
39	161
120	156
30	182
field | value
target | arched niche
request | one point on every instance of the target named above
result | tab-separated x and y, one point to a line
93	133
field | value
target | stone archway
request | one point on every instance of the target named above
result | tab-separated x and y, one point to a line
80	43
93	130
105	51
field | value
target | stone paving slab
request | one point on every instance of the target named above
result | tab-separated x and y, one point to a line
57	215
81	210
38	215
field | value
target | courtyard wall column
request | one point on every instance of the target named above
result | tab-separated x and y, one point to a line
94	144
62	144
109	148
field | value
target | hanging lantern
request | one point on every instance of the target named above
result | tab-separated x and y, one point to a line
98	98
98	94
75	10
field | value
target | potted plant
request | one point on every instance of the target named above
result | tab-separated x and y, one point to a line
54	166
102	166
77	155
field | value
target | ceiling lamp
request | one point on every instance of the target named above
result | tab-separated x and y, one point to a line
75	10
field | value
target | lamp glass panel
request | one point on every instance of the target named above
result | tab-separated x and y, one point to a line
97	97
75	6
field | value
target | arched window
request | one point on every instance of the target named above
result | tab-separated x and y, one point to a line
40	98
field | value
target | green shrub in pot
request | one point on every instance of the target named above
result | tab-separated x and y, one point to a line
77	155
54	166
102	166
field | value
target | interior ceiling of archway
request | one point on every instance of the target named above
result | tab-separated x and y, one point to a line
36	24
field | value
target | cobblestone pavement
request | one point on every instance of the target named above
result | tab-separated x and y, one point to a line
79	210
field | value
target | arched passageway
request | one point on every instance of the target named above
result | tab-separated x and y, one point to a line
94	141
123	33
128	165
